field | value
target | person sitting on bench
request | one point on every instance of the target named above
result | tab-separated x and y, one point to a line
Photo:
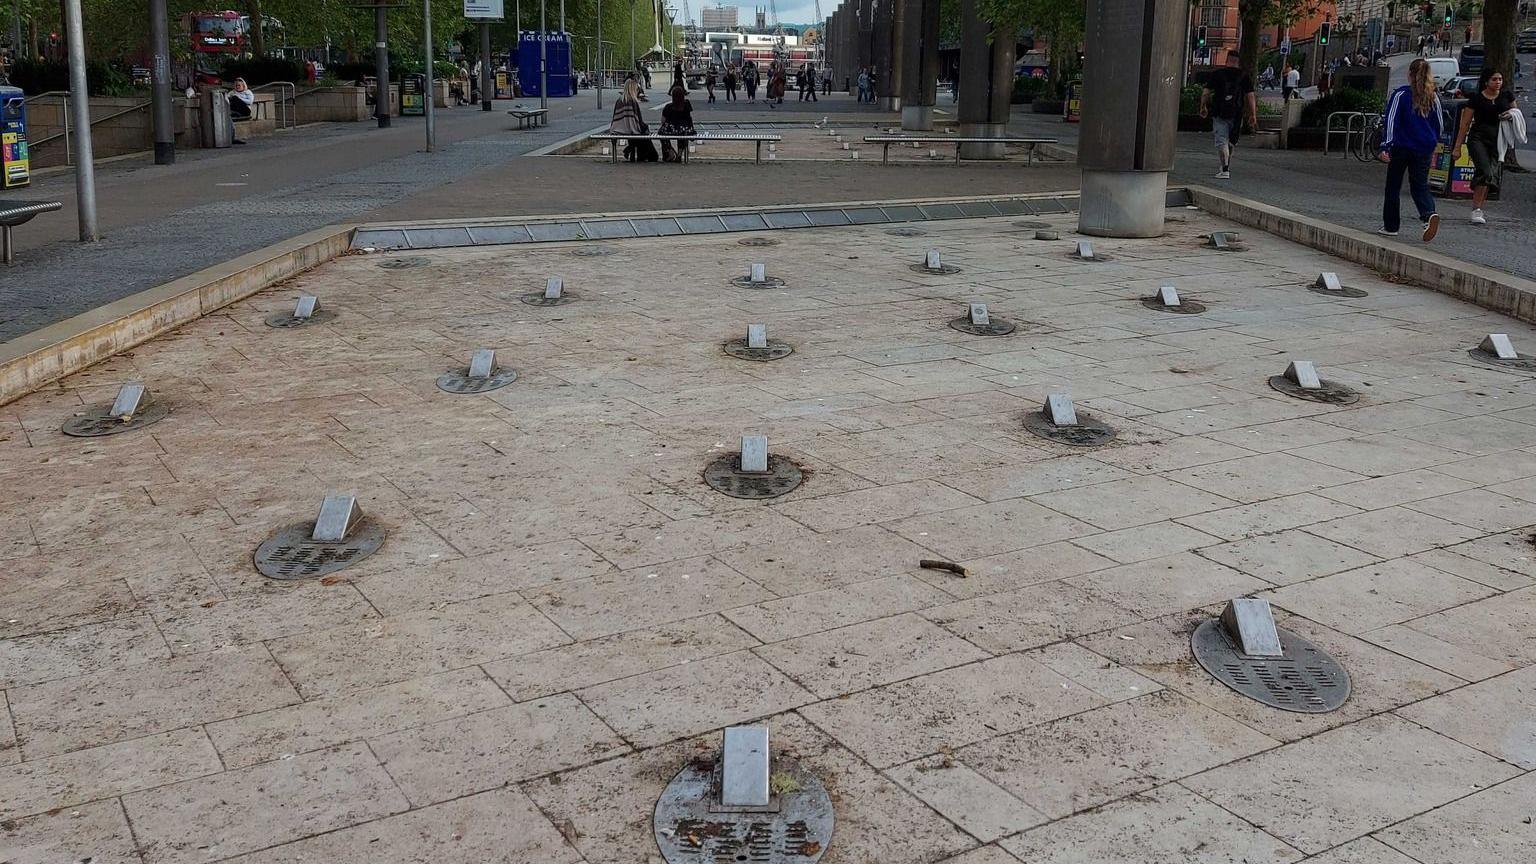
627	121
676	119
240	100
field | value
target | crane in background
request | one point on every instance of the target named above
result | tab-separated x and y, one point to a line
778	31
821	38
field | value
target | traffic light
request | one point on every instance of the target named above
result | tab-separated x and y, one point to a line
1324	32
1200	36
1449	14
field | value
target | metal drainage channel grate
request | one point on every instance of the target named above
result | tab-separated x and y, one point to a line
458	381
941	270
99	422
724	476
1331	393
757	241
1087	433
768	282
996	327
285	320
1306	679
1523	362
776	350
292	554
1186	306
907	232
691	829
593	251
1031	224
405	263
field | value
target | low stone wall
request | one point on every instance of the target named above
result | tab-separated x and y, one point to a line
333	105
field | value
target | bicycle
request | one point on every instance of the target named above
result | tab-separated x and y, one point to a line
1369	146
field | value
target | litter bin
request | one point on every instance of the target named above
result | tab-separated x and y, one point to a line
1072	110
14	170
216	128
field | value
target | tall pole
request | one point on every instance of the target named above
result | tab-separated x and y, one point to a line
160	84
426	26
543	71
487	75
80	115
381	100
599	53
16	30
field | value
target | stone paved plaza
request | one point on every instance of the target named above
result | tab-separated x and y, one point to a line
563	614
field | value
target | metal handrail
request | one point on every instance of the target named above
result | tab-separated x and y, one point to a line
64	104
285	120
68	154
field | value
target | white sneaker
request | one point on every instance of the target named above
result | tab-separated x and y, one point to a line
1478	218
1223	175
1385	233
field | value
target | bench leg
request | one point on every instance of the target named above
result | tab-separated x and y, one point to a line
615	151
885	154
7	253
758	159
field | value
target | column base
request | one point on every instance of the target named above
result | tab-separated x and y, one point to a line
983	151
917	118
888	103
1122	203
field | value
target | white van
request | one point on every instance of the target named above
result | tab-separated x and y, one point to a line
1443	68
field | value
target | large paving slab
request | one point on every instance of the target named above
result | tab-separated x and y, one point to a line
563	614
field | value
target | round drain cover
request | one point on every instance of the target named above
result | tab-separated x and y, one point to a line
1098	258
286	319
997	327
1522	362
1087	433
723	476
404	263
593	251
1331	393
537	298
776	350
1346	291
757	241
1306	679
795	828
746	282
1185	307
907	232
98	423
458	381
944	269
291	554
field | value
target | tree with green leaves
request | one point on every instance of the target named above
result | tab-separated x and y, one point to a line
1255	14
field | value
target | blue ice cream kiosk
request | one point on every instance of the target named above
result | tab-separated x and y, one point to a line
14	170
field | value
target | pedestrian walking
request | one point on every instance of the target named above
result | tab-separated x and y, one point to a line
800	83
863	84
1227	98
679	78
1410	133
1420	52
709	83
730	84
1481	118
826	81
749	80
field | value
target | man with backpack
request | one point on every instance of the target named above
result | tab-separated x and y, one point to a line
1228	99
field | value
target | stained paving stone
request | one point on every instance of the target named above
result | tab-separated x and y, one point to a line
1394	489
1381	770
1127	503
846	659
280	612
97	832
1458	660
1267	517
1496	817
1494	715
802	565
1163	585
980	807
1167	824
1129	545
57	782
646	596
117	644
989	529
1501	627
1259	478
1014	570
1480	509
777	620
1394	531
1286	556
521	569
868	506
1376	595
1029	617
9	752
1512	551
1366	850
252	808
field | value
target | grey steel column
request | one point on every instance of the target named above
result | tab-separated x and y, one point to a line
1130	114
599	53
891	100
160	83
80	115
487	74
920	64
543	65
880	53
381	100
986	83
426	17
865	35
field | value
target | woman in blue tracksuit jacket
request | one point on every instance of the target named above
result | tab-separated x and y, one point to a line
1411	129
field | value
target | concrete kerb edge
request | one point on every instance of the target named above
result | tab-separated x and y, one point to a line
42	357
1491	289
569	145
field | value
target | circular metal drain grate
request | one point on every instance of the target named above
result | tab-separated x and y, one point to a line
1306	679
593	251
1087	433
284	320
537	298
457	381
1524	363
944	269
783	477
404	263
757	241
1331	393
998	327
1098	258
1346	291
776	350
690	830
1186	306
291	554
907	232
746	282
98	423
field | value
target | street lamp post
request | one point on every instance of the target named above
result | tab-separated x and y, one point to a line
426	15
160	84
543	70
599	53
80	116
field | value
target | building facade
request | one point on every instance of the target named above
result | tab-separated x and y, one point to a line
718	17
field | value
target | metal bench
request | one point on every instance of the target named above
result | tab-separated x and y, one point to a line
527	118
702	136
13	213
887	140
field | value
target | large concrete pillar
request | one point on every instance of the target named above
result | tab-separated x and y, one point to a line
986	83
919	63
1130	115
866	36
890	98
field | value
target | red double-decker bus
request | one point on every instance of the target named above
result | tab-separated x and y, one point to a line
219	33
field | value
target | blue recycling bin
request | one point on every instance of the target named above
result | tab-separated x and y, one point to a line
15	164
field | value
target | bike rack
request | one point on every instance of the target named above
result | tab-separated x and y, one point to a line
1350	118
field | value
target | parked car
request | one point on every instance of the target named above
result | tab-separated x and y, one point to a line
1471	58
1442	68
1460	87
1525	43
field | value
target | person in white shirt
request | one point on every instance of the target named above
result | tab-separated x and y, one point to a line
1292	82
